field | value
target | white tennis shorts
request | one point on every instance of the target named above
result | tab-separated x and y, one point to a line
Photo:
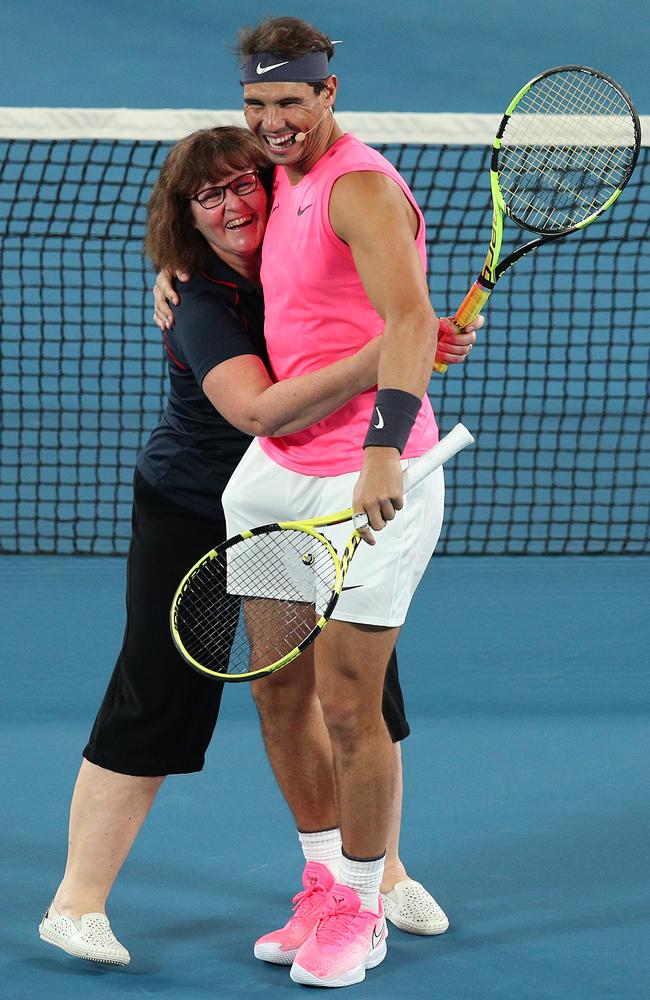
382	578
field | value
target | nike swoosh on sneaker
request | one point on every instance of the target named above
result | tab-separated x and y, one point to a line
380	420
302	210
376	937
261	70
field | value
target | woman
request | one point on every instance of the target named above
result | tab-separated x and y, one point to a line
207	213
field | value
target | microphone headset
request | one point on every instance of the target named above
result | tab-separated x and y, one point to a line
301	136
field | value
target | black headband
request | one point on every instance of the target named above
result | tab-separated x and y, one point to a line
269	67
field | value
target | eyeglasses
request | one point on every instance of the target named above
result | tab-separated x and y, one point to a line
212	197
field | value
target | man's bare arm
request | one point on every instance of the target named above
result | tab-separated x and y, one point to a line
372	215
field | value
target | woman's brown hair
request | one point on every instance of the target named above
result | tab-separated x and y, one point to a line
171	240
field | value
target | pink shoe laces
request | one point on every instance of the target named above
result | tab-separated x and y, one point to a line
337	922
305	900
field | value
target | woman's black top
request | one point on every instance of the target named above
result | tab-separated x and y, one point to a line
193	451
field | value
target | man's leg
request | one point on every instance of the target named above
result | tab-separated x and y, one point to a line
300	753
297	742
350	936
299	750
350	668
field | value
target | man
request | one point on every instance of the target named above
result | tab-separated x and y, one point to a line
343	260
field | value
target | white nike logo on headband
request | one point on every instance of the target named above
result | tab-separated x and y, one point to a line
261	70
380	420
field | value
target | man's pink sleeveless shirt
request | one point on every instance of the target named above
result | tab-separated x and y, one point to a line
318	312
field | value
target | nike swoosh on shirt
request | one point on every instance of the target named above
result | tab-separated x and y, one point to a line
354	586
261	70
302	210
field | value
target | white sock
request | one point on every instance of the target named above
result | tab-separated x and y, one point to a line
365	878
323	846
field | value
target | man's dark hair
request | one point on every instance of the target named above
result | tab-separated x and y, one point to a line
284	36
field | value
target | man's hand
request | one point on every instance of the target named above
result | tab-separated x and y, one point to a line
453	347
379	490
163	294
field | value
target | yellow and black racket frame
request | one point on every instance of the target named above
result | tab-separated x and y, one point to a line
482	288
308	527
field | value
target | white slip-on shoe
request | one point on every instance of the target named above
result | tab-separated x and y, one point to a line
89	937
411	908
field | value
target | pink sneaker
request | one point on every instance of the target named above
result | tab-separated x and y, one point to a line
281	946
345	942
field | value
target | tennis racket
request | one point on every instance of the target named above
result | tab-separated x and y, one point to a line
258	600
565	149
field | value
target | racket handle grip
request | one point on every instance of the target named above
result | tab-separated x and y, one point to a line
468	310
459	437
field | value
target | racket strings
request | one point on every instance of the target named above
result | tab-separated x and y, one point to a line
546	194
251	604
569	145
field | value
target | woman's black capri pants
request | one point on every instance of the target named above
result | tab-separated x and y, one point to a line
158	715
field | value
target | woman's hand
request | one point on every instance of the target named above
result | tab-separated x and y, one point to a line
164	294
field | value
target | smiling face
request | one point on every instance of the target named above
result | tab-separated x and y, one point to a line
277	112
235	228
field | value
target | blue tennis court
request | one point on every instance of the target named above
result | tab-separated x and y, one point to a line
526	789
524	660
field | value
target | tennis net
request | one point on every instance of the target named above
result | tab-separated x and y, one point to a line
556	392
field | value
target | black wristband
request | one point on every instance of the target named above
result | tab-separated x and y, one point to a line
393	416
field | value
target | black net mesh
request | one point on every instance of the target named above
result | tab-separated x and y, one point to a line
556	392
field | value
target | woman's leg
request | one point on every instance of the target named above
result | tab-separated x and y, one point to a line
106	814
394	870
156	718
407	904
